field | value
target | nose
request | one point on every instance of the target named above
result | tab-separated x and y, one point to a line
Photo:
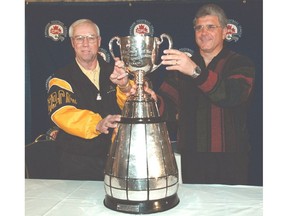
85	41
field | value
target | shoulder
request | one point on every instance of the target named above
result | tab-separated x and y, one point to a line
61	77
66	70
242	60
237	59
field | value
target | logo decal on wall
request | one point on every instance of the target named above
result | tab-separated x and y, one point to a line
142	27
189	52
234	31
103	52
56	30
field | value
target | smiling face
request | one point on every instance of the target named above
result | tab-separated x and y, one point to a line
210	37
86	42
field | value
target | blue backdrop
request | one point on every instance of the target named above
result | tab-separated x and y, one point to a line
44	54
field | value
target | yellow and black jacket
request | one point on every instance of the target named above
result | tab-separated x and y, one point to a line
76	106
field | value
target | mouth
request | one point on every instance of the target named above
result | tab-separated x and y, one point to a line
85	51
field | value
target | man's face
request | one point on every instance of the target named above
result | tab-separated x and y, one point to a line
209	34
85	42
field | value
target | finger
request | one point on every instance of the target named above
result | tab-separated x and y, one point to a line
173	67
119	64
113	125
106	125
149	91
132	91
121	76
112	119
172	62
170	51
113	76
105	131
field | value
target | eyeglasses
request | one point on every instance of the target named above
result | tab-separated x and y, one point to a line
79	39
209	28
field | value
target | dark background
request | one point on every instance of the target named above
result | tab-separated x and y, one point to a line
43	55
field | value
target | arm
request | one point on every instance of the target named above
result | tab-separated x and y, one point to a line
63	111
228	83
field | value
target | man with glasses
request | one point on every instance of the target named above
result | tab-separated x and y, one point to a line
214	88
85	100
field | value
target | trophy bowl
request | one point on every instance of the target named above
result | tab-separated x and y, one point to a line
139	53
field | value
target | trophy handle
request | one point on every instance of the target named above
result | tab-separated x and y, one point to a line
170	45
111	45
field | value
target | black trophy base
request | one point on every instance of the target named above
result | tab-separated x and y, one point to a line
141	207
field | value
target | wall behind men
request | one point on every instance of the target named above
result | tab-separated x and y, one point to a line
43	55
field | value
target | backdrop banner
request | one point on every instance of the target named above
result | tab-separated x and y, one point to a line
48	47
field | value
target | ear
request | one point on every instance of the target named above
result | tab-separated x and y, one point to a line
224	33
99	41
72	42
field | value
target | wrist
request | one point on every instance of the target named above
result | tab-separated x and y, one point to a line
196	72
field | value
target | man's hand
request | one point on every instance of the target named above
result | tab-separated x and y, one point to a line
109	121
177	60
119	75
146	89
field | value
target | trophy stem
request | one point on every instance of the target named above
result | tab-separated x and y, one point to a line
139	81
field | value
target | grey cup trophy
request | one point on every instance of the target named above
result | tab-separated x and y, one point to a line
141	174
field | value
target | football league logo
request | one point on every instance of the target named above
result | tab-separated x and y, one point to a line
142	27
234	31
103	52
56	30
189	52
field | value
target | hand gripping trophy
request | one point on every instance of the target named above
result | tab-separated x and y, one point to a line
141	174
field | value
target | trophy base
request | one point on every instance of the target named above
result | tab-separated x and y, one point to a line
141	207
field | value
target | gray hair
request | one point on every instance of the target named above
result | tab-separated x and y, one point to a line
212	10
80	21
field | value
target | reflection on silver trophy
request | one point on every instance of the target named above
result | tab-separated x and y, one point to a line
141	174
139	53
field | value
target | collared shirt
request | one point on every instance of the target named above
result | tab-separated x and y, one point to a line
93	75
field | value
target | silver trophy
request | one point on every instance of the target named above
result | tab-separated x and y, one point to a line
141	174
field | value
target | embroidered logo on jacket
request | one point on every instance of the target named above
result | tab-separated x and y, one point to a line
60	98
